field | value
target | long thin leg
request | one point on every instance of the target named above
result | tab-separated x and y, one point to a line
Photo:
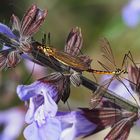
129	55
127	90
98	94
124	62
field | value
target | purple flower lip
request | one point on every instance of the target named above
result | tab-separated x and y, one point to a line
7	31
24	95
37	88
131	13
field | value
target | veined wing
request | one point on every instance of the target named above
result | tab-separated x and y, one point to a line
105	67
67	59
74	42
107	52
98	94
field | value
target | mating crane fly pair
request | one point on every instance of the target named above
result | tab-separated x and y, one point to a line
76	63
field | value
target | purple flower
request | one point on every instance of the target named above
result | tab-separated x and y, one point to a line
18	39
51	130
13	120
63	126
44	119
131	13
41	107
42	99
28	26
6	30
74	124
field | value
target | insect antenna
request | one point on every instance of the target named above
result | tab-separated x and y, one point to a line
49	38
44	40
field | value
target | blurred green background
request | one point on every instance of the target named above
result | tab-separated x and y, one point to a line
97	18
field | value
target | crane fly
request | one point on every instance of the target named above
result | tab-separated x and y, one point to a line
77	63
113	70
64	58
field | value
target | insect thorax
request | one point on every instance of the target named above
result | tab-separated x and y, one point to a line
46	49
120	71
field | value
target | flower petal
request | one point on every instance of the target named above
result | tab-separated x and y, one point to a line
130	16
6	30
75	124
37	88
29	117
13	120
48	109
49	131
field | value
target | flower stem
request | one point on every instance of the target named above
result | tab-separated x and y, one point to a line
113	97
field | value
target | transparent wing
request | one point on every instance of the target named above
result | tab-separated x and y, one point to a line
104	66
107	52
98	94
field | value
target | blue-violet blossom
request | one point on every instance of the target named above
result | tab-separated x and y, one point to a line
131	13
44	119
13	121
18	39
